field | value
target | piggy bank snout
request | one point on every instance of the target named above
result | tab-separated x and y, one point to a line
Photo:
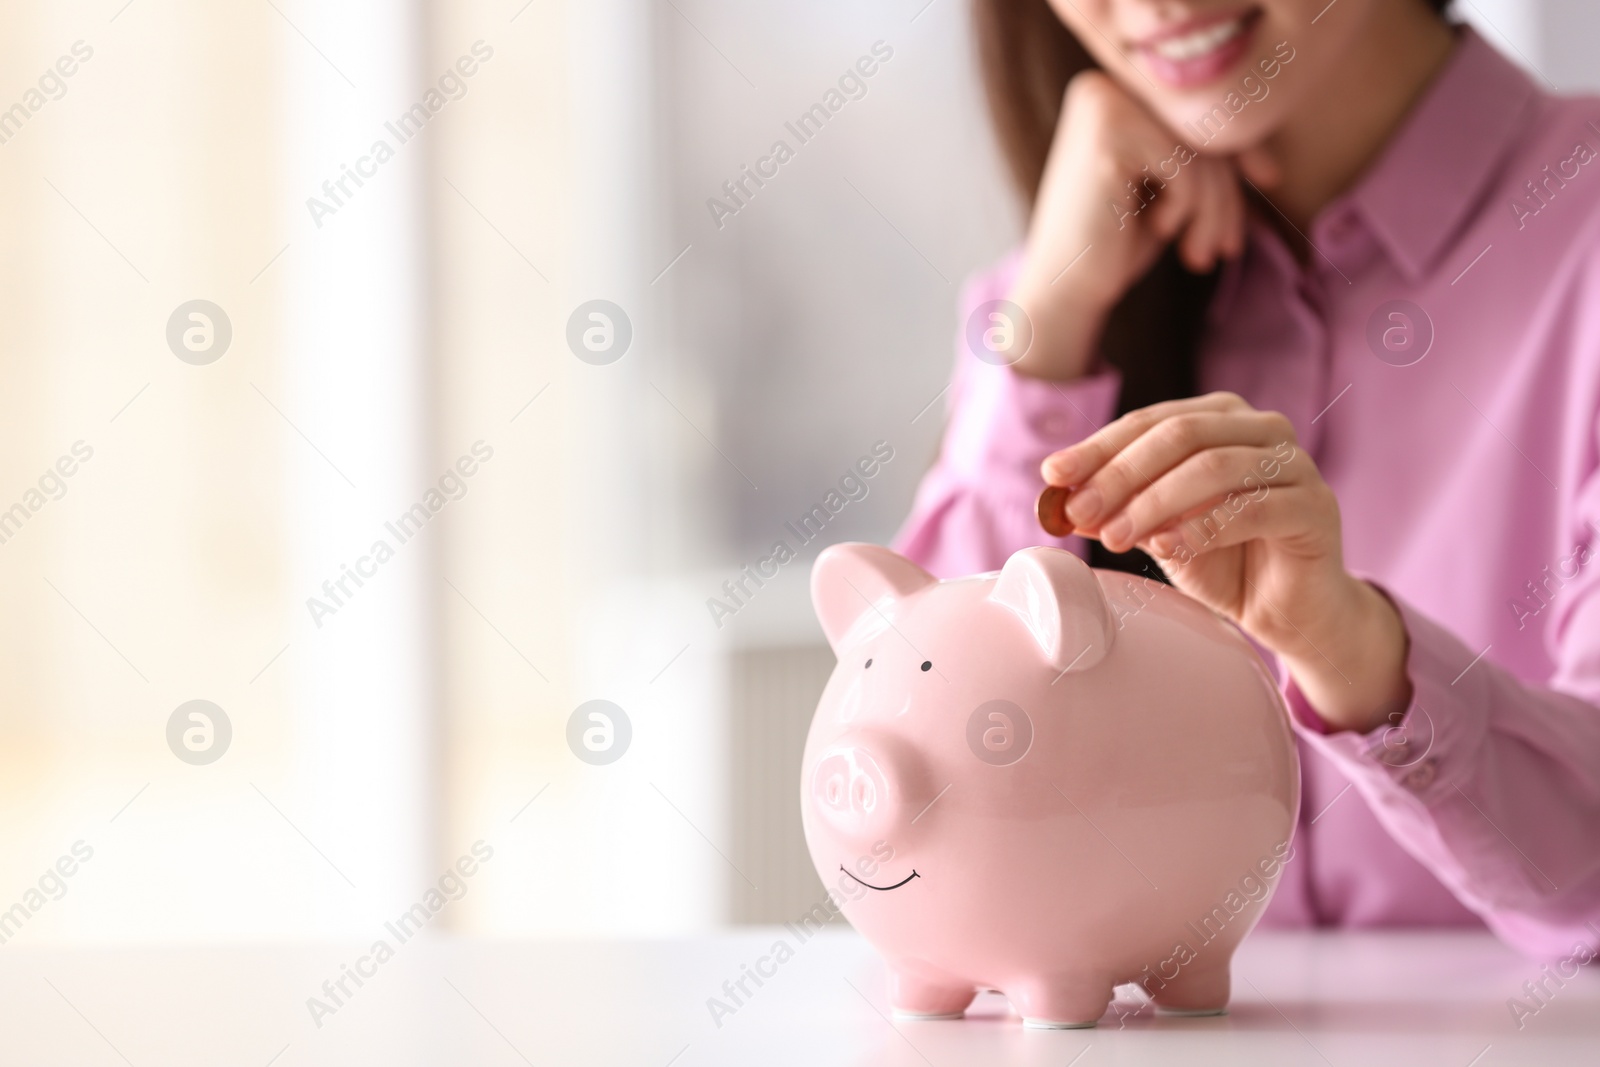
860	788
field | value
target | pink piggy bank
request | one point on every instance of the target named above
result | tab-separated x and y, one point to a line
1044	781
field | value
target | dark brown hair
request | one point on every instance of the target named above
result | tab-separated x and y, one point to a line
1026	57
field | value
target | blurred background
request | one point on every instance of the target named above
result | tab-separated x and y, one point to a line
307	412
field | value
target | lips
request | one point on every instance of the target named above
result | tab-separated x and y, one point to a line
1201	50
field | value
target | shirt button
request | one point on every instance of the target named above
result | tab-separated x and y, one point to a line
1392	747
1421	776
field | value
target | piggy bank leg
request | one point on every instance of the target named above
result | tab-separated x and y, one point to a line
1062	1002
915	997
1201	988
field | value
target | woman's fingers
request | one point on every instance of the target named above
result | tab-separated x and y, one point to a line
1203	209
1212	478
1159	453
1201	244
1176	203
1075	465
1278	514
1200	227
1234	211
1258	167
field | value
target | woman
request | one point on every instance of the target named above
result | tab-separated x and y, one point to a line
1352	251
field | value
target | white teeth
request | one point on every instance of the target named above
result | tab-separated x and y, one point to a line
1193	45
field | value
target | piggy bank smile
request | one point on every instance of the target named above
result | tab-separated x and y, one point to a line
879	888
1092	764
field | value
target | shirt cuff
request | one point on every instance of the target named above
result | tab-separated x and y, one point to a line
1433	743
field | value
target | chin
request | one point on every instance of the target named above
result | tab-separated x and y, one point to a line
1199	129
1237	112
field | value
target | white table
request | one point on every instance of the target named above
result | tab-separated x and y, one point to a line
1361	1000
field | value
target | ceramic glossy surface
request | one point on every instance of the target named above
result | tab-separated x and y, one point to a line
1044	781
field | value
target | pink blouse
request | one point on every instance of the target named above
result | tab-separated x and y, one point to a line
1439	356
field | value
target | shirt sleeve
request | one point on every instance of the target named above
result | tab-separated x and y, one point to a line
975	506
1491	783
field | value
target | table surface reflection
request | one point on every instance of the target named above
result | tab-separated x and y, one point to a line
1328	998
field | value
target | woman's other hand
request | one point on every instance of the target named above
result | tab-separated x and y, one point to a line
1118	187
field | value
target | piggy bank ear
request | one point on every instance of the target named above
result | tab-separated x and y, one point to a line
851	580
1059	599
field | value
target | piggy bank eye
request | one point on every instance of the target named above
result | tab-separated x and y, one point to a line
927	664
869	663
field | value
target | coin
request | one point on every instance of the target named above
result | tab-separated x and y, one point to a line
1053	510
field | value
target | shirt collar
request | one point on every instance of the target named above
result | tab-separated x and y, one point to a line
1420	190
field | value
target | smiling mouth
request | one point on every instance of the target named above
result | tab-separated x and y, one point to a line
1192	43
1201	50
881	888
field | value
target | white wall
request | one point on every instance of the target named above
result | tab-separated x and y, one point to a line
1555	39
821	324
